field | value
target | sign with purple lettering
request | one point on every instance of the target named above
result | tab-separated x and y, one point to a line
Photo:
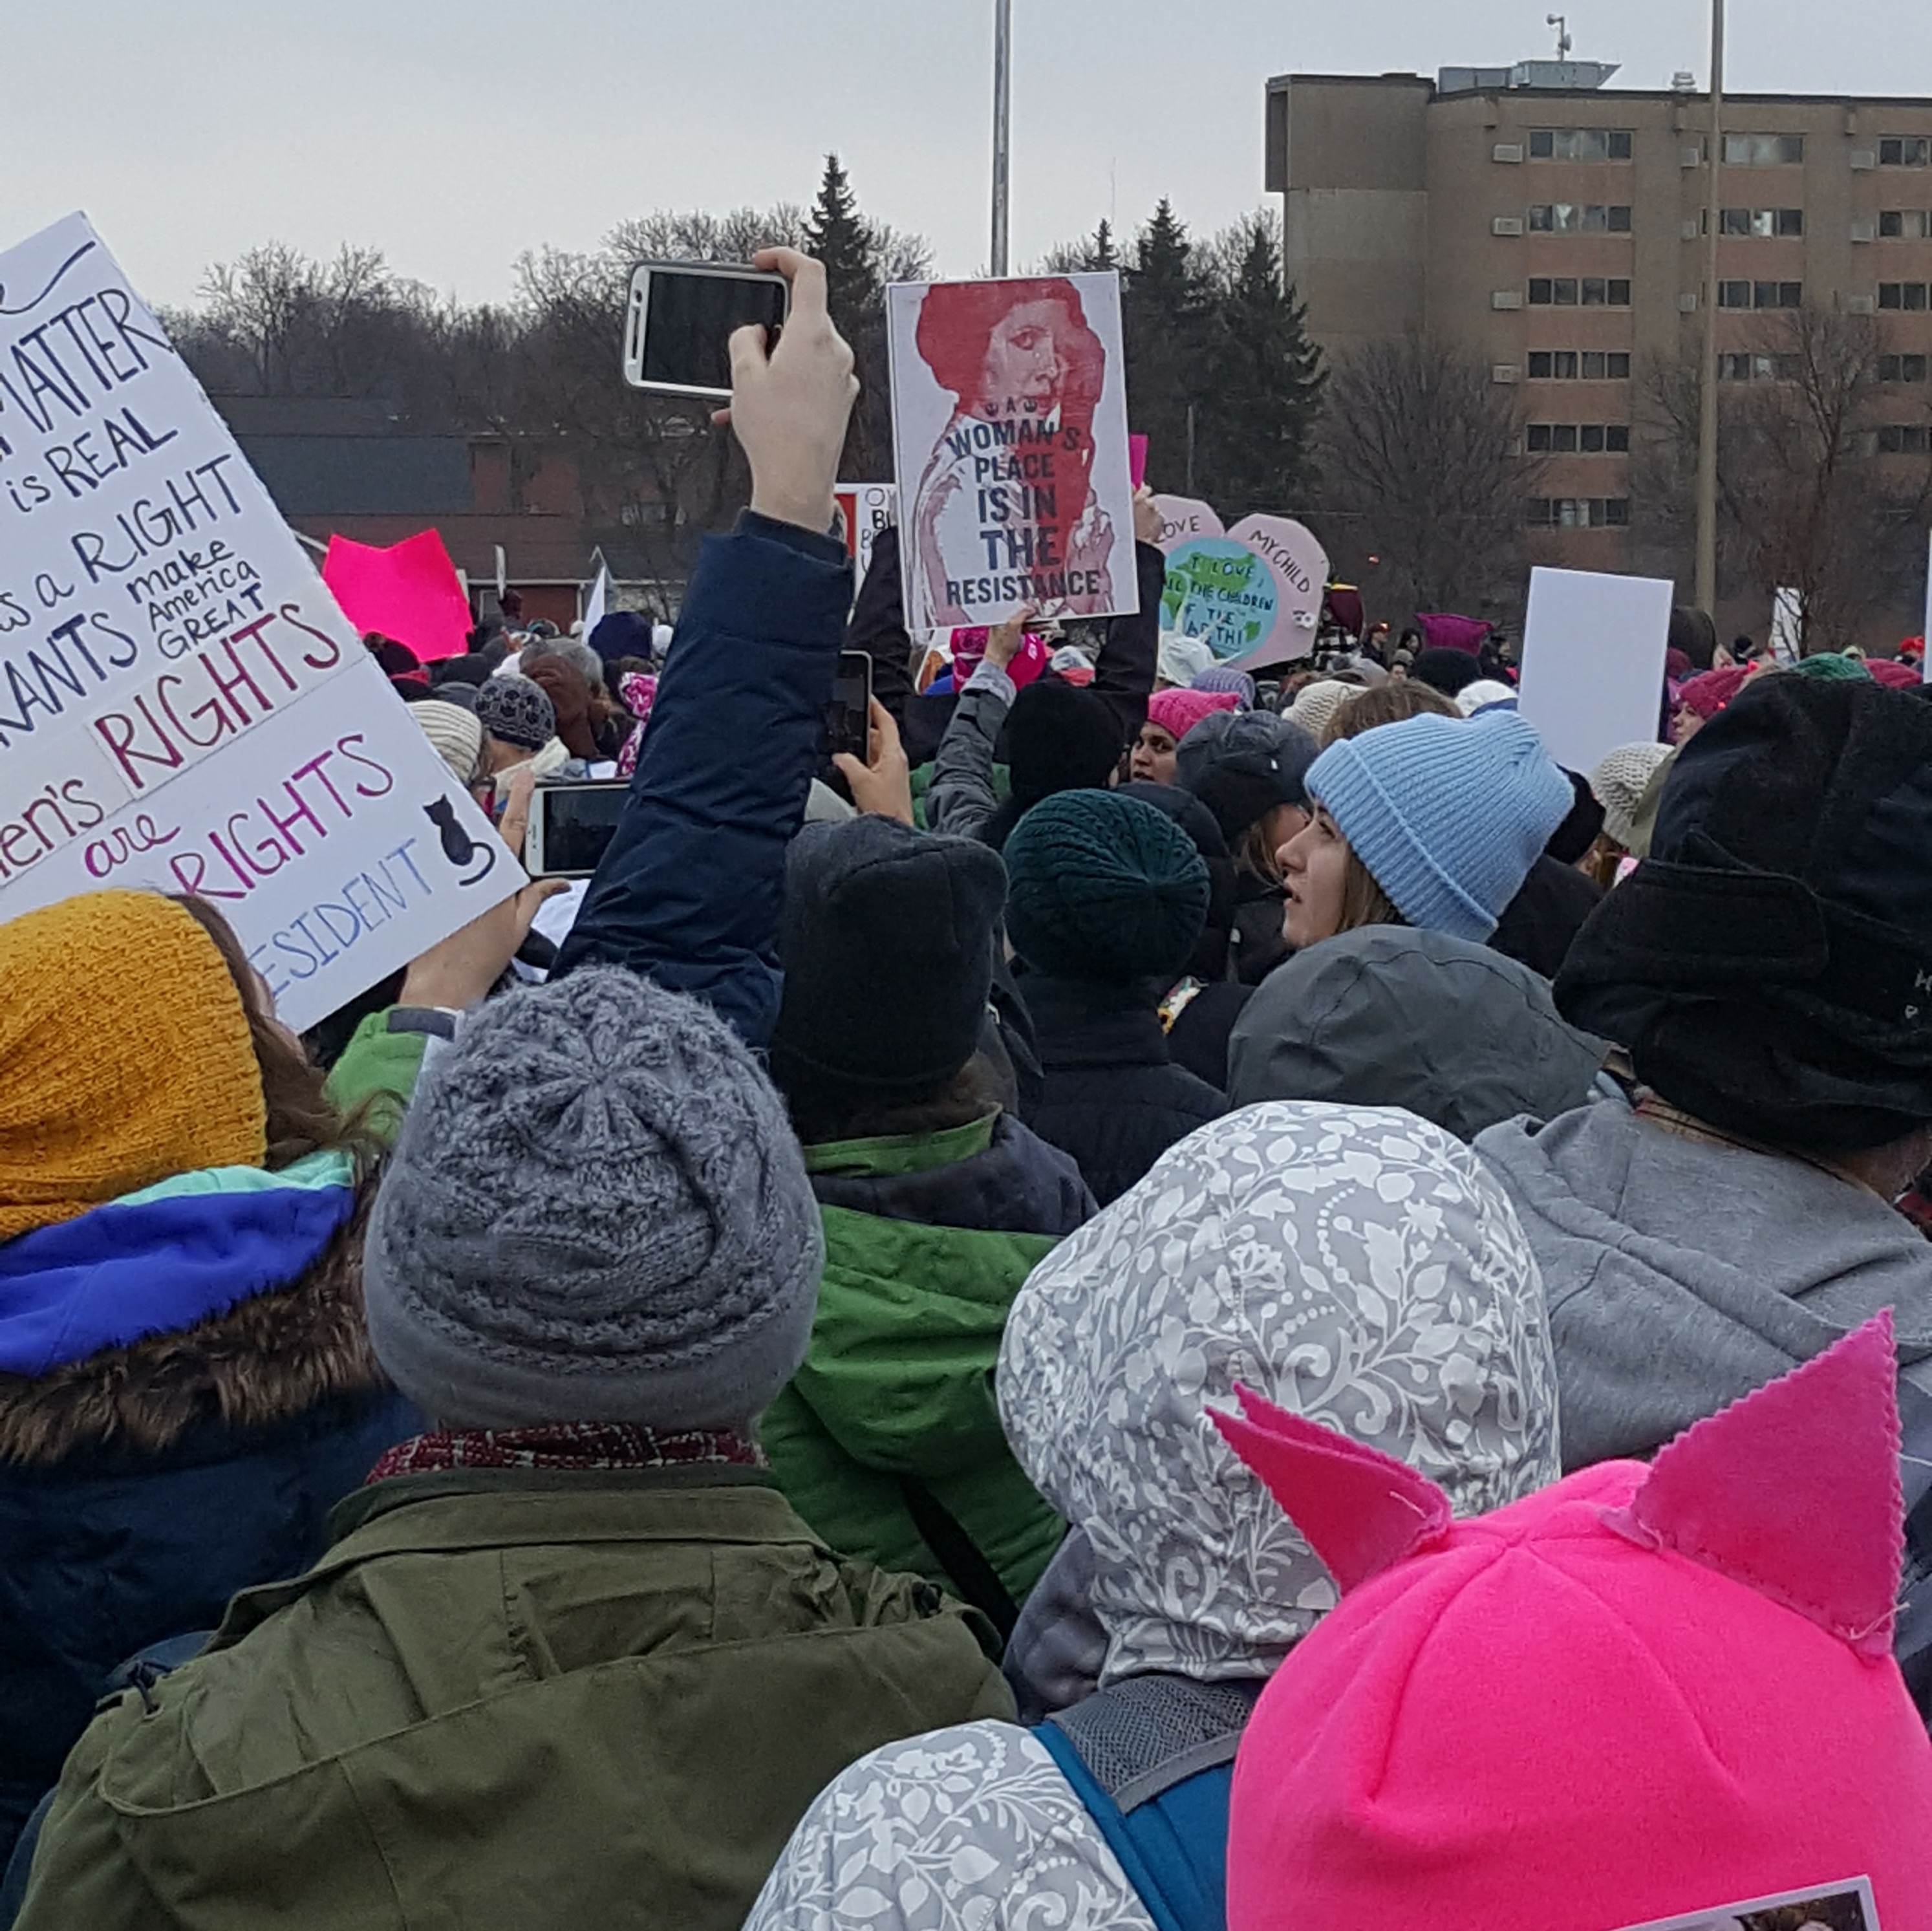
1010	427
182	705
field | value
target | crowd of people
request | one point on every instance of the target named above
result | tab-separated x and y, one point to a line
1168	1302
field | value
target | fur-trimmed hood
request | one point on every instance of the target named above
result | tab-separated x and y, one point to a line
268	1358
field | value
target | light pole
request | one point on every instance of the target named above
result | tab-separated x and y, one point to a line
1002	89
1707	394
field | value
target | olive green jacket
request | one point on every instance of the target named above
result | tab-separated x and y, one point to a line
507	1699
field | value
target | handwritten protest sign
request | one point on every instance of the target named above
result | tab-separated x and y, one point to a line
1184	518
182	704
866	509
1010	427
1253	596
1593	651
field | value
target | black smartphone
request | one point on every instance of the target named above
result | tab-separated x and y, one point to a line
678	323
848	719
570	823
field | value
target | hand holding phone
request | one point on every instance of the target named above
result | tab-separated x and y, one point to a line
570	824
881	786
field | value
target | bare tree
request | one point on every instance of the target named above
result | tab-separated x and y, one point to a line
1809	499
1421	454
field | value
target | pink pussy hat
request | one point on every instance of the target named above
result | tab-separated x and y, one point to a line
1643	1693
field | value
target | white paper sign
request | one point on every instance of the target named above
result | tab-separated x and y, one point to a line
182	704
1593	652
866	509
1010	429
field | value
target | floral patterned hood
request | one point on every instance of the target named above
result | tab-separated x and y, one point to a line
1356	1264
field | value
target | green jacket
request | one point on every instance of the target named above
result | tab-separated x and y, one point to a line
898	1384
507	1699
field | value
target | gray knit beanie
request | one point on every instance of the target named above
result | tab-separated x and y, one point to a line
596	1212
517	711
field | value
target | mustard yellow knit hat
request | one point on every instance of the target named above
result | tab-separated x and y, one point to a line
125	1056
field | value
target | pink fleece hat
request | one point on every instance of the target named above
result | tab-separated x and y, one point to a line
1643	1693
1177	712
1710	691
969	650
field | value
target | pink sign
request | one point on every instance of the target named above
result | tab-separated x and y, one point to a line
1183	518
1137	446
410	591
1300	567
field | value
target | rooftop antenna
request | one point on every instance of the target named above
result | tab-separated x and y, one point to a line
1561	22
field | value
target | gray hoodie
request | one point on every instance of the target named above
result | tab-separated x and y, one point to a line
1680	1275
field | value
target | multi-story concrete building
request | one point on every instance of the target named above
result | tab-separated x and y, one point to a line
1556	226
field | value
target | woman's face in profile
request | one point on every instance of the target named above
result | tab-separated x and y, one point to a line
1023	359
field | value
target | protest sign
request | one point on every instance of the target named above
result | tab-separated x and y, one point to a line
595	604
1593	651
1253	596
1300	566
410	591
1183	518
1137	456
1846	1905
866	509
182	705
1009	428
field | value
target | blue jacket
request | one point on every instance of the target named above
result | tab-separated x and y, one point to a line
689	891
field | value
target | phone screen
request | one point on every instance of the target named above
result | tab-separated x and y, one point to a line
847	717
578	821
687	322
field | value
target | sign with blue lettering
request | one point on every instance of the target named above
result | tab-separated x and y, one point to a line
182	705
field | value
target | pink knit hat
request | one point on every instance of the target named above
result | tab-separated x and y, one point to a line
1177	712
1643	1693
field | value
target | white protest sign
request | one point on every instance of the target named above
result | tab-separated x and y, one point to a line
1593	652
1787	626
182	704
1300	568
1183	518
867	509
1009	430
1253	596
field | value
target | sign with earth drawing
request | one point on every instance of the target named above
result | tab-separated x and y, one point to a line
1253	596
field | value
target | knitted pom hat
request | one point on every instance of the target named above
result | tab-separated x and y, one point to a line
516	711
1103	887
1448	816
1644	1693
457	734
125	1056
596	1212
1620	781
1178	711
1710	691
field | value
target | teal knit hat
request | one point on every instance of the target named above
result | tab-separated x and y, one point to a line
1447	816
1103	887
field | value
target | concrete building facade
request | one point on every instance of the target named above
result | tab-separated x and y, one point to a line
1555	226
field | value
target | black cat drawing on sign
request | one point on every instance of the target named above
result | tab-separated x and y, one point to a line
458	847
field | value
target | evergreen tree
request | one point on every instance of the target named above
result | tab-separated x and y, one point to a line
1165	313
1262	385
853	252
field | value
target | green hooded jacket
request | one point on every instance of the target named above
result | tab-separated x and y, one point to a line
506	1699
897	1385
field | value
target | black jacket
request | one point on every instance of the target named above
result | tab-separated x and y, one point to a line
1110	1095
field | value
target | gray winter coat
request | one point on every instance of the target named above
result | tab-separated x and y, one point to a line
1682	1275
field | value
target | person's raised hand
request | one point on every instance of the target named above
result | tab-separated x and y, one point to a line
456	971
514	826
1147	517
1004	640
790	404
882	786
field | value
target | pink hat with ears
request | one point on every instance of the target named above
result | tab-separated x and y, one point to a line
969	649
1643	1693
1177	712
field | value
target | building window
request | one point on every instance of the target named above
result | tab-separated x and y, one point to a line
1760	295
1578	513
1580	218
1578	439
1908	295
1574	365
1763	224
1758	368
1904	224
1570	291
1582	144
1903	439
1763	150
1905	150
1901	368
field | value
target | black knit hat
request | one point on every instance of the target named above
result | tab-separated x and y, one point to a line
1578	832
1060	737
1769	965
887	946
1449	671
1241	764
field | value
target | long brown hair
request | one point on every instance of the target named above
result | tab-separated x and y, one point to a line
1364	901
302	1118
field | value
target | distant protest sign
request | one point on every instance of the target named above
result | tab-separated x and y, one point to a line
1009	428
410	591
182	705
1253	596
865	509
1593	650
1184	518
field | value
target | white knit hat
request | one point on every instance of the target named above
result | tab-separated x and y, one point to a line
1315	704
1620	782
455	732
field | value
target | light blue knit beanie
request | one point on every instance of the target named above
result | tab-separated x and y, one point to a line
1447	816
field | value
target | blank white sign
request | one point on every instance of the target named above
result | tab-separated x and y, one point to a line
1593	652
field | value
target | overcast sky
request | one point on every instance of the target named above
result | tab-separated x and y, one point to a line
454	134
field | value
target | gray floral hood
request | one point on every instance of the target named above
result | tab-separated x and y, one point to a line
1356	1264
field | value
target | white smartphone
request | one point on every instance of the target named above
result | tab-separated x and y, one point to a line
679	320
570	823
